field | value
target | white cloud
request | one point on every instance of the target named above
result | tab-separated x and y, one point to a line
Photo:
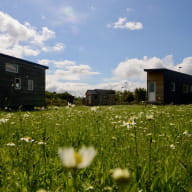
133	69
73	73
185	66
23	39
58	64
122	23
66	70
57	47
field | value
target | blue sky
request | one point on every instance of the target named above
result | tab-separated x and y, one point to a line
91	44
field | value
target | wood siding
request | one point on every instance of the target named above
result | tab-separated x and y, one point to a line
159	80
9	95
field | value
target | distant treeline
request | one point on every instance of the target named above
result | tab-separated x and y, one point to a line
130	97
121	97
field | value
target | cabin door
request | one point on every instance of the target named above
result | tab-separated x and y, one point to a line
152	91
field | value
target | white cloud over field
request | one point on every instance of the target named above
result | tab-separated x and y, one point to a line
21	40
133	69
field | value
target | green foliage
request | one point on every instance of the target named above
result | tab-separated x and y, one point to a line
128	97
140	94
58	99
156	150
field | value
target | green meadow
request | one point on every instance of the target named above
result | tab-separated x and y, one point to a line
154	143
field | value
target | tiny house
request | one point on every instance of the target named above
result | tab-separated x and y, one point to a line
100	97
165	86
22	83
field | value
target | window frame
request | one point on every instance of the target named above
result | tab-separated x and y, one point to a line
18	87
11	67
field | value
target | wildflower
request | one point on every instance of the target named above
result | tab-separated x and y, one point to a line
26	115
114	138
121	175
41	190
27	139
107	188
129	124
3	120
10	144
70	105
94	109
150	117
172	146
90	187
41	143
186	133
81	159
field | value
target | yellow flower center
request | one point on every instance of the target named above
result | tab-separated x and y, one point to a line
78	158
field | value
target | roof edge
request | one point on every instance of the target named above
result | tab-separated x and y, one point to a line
24	60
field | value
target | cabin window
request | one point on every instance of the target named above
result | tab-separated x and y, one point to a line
30	85
173	86
17	83
10	67
151	87
185	88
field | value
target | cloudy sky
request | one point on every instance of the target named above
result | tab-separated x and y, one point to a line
91	44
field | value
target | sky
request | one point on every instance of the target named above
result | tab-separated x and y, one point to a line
98	44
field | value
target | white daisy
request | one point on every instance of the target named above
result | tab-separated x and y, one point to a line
81	159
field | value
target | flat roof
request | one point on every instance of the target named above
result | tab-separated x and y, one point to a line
158	69
23	60
165	69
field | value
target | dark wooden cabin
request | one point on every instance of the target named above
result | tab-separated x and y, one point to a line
100	97
165	86
22	83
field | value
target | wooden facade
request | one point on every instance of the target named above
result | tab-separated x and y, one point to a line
22	83
165	86
100	97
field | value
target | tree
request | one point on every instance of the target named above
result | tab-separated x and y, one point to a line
53	98
140	94
129	97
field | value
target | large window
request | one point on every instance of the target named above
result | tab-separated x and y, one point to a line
17	83
30	86
11	67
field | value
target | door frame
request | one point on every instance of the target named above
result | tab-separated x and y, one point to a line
152	91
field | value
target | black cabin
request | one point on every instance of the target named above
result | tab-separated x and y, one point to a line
22	83
100	97
166	86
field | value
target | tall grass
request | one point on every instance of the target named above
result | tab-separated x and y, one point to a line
157	150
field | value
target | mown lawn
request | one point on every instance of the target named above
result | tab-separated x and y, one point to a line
154	143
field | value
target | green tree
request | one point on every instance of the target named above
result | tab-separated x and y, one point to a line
140	94
128	96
